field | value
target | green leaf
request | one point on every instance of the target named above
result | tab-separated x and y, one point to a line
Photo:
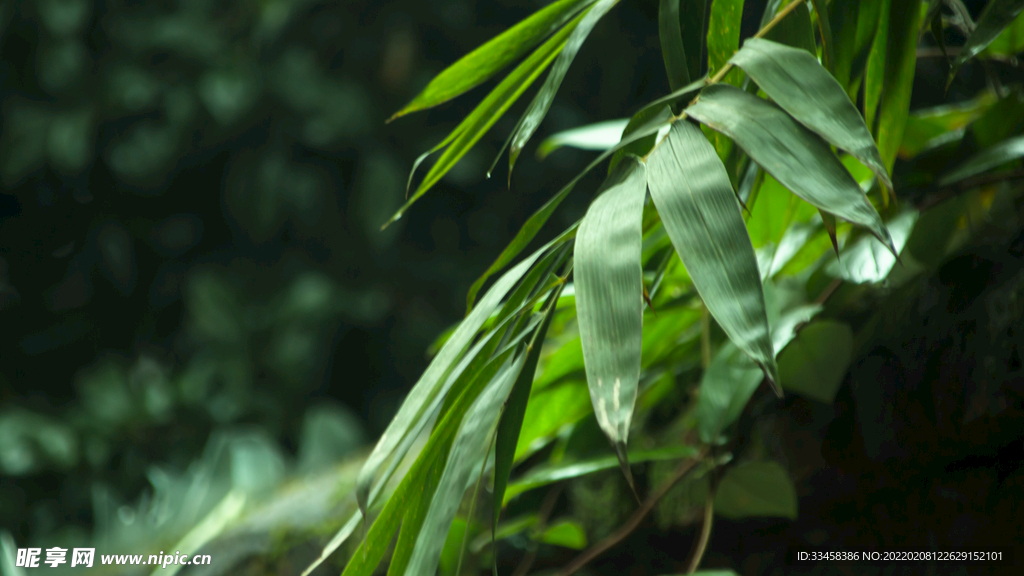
533	225
815	363
1004	119
827	43
794	30
511	422
856	22
1010	41
484	62
697	205
548	411
599	136
933	127
480	120
796	157
692	21
1002	153
874	69
798	84
641	147
725	387
468	448
900	60
609	297
551	473
998	15
565	533
724	36
673	52
864	261
413	412
756	489
538	108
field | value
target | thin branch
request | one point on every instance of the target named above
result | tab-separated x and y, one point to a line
705	536
760	34
634	521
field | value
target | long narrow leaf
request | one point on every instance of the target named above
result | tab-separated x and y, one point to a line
482	63
794	155
1006	151
692	192
598	136
874	67
538	108
480	120
827	53
673	52
797	83
900	60
609	298
997	16
692	21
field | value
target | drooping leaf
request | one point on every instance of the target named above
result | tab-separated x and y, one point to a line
673	52
480	120
538	108
691	190
1002	153
900	60
796	157
864	261
756	489
468	448
482	63
998	14
815	363
533	225
609	309
824	27
599	136
798	84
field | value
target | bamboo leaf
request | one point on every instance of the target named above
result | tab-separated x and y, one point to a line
673	52
856	22
480	120
795	156
692	21
609	301
794	30
900	60
863	261
874	68
723	41
699	210
996	17
756	489
598	136
1006	151
725	387
827	54
536	221
797	83
815	363
484	62
538	108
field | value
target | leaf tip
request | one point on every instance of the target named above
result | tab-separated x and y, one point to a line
620	453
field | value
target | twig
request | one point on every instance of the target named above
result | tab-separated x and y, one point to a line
705	536
760	34
634	521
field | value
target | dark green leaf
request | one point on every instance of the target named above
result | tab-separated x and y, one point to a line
699	210
815	363
482	63
794	30
933	127
538	108
827	54
723	41
673	52
1002	153
480	120
756	489
997	16
874	68
609	297
1010	41
797	83
796	157
855	23
725	387
900	59
692	20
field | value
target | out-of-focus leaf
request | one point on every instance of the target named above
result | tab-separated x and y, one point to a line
1010	41
830	228
815	363
864	261
609	288
533	225
723	41
480	120
599	136
756	489
855	23
692	20
1003	119
796	157
933	127
548	411
874	68
565	533
797	83
794	30
725	387
824	27
1002	153
900	60
644	145
538	108
997	16
482	63
697	205
549	474
673	52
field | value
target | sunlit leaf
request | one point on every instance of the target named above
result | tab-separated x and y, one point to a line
673	52
798	84
538	108
599	136
549	410
1002	153
815	363
756	489
699	210
864	261
998	14
609	289
796	157
482	63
